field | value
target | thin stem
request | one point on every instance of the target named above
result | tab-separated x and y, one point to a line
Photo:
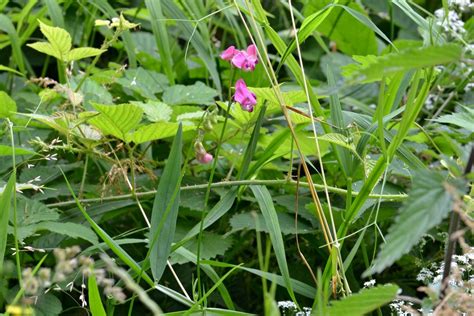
392	197
15	215
209	185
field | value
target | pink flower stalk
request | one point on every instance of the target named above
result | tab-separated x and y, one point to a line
206	158
244	96
229	53
246	60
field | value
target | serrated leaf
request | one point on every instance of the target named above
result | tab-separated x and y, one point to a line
464	119
72	230
31	212
165	209
7	105
155	131
83	52
155	111
429	202
197	93
372	68
212	245
59	39
46	48
361	303
116	120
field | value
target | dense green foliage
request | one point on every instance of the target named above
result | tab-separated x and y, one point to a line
232	157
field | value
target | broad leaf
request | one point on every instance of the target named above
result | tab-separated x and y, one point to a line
155	131
464	119
372	68
362	303
59	42
83	52
198	93
7	105
72	230
155	111
287	223
117	120
165	209
429	202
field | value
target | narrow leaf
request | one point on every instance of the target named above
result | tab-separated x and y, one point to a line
165	209
265	202
5	203
97	309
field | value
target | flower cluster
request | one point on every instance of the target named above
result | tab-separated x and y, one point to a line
245	60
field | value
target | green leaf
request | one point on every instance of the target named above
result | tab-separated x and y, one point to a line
59	42
351	36
265	202
46	48
145	83
5	203
72	230
96	307
155	131
48	305
155	111
4	68
31	212
212	245
429	202
8	151
372	68
287	223
464	119
362	303
198	93
83	52
116	120
165	209
7	105
221	208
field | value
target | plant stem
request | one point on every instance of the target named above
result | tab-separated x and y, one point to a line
393	197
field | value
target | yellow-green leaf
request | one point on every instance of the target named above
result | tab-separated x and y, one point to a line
7	105
117	120
83	52
59	39
155	131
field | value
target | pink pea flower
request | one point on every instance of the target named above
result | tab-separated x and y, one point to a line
229	53
206	158
246	60
244	96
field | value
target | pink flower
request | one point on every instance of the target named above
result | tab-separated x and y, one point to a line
245	60
229	53
206	158
244	96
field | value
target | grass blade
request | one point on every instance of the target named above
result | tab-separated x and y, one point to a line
116	249
158	26
97	309
5	205
165	209
265	202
